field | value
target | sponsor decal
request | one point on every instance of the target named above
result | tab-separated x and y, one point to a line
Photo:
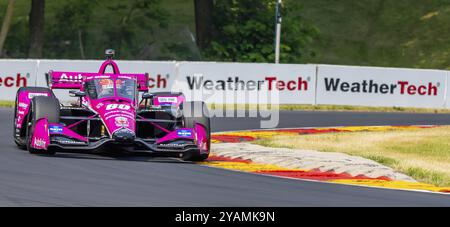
70	78
55	129
159	110
184	133
38	142
172	145
69	142
32	95
118	106
23	105
237	84
168	99
19	119
9	81
84	102
97	77
203	147
117	113
371	87
156	107
107	83
121	122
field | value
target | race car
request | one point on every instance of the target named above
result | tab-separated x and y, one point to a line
114	111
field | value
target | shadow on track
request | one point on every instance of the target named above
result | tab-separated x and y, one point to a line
114	156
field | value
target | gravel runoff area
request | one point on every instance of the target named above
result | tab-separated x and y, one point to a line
308	160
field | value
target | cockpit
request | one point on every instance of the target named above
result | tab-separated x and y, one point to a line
110	88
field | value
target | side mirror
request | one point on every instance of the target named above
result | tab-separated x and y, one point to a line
148	96
78	94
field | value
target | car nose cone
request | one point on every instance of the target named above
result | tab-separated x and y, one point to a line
124	135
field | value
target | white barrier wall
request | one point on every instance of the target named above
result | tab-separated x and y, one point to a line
247	83
447	98
257	83
368	86
15	74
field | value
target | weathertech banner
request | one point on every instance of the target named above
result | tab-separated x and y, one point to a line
247	83
240	83
15	74
369	86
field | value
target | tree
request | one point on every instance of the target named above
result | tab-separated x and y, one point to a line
246	31
6	24
204	22
70	27
85	28
131	26
36	28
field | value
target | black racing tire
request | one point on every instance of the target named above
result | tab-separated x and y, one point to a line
20	141
193	113
20	138
41	107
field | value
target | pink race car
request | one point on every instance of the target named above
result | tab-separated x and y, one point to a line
110	116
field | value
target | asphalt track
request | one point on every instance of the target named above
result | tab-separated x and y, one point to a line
90	180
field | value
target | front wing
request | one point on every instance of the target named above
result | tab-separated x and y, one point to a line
50	136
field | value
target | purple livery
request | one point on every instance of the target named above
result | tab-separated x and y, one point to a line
115	112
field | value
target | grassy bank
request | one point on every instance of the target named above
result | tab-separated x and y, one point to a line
6	103
423	154
402	33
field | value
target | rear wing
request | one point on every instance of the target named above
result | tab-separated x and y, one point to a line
74	80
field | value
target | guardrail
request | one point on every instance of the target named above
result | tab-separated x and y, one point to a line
258	83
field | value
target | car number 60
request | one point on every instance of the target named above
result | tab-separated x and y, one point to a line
118	106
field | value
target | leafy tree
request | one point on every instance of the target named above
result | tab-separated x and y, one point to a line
129	21
68	29
6	24
84	28
36	27
246	30
204	11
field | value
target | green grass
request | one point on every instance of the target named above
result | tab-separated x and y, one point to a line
382	160
6	103
401	33
423	154
424	175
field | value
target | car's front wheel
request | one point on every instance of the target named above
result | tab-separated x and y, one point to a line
41	107
197	113
20	133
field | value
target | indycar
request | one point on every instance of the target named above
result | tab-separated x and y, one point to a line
113	111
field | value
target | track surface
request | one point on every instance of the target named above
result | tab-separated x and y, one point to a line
89	180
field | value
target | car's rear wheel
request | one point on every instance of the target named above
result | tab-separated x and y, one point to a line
41	107
197	113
